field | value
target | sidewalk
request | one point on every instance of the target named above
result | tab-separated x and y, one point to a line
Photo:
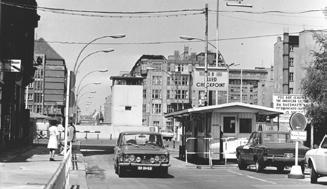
27	168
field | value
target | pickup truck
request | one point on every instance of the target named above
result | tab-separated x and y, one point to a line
317	160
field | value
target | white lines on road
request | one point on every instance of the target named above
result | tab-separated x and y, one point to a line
251	177
263	180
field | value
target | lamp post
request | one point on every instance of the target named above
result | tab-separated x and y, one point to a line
89	73
92	41
95	52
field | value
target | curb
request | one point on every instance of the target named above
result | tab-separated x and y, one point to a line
77	174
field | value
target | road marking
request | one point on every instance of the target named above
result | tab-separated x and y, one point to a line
239	174
263	180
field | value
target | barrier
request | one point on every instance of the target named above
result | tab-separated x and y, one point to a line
60	179
86	132
208	152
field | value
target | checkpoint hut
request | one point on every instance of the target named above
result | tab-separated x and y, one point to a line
207	126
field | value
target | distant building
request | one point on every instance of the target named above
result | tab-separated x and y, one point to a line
46	95
126	101
292	55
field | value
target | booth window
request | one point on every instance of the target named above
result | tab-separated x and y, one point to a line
229	124
245	125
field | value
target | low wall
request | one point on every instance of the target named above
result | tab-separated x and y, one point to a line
104	131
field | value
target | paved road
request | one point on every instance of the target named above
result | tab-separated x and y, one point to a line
101	174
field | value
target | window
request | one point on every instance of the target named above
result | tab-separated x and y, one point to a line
144	93
37	97
290	91
156	123
156	80
184	94
31	85
170	109
184	80
291	62
229	124
128	108
245	125
178	94
156	94
156	108
30	96
179	68
168	94
291	48
291	77
168	80
144	108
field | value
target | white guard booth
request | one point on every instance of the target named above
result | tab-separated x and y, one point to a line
215	131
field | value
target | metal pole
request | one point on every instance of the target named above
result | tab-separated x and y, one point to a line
296	152
311	136
206	56
241	90
67	112
227	94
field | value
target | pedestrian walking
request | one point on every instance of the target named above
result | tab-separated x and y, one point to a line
53	139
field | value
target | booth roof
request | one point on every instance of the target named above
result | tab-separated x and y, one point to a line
234	107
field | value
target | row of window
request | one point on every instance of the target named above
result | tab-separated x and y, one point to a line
178	80
171	94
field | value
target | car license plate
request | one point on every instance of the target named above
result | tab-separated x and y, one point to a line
288	155
140	168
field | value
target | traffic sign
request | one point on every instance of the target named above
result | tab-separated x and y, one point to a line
10	65
298	135
298	121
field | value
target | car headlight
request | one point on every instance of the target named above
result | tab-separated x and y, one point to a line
152	160
163	158
131	158
156	158
138	159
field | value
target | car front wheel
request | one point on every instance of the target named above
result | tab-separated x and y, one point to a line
241	163
313	175
258	165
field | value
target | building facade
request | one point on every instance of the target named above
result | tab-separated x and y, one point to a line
292	54
17	27
46	95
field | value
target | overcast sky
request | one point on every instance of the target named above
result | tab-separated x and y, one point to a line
248	52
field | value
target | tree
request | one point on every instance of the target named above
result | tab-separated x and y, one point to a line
314	84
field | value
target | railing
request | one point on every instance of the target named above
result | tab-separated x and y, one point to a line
86	132
60	179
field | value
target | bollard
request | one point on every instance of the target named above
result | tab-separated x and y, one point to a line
86	134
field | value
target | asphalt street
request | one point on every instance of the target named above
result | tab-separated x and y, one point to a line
100	174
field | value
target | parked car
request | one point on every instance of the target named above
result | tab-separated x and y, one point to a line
317	160
140	151
167	134
270	148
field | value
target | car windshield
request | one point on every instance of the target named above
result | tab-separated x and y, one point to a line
324	143
142	139
276	138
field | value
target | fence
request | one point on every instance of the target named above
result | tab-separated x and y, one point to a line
204	152
60	179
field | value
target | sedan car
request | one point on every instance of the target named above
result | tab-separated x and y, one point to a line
317	160
269	148
140	151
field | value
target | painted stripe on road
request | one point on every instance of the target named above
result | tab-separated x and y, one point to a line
236	173
263	180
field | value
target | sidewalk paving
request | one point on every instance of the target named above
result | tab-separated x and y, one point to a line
27	168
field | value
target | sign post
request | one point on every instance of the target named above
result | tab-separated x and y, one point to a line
297	123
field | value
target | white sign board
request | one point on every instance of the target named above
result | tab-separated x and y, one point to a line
288	104
298	135
217	80
10	65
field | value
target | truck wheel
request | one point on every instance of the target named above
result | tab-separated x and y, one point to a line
258	165
241	164
313	175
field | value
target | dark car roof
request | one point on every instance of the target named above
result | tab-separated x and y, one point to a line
139	132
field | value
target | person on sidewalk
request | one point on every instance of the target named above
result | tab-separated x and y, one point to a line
71	134
53	139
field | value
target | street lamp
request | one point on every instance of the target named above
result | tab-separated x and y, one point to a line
92	41
95	52
100	71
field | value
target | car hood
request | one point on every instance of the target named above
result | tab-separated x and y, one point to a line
144	149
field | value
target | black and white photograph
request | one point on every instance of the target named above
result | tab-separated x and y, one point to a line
185	94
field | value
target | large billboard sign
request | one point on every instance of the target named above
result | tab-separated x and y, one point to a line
289	104
217	80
